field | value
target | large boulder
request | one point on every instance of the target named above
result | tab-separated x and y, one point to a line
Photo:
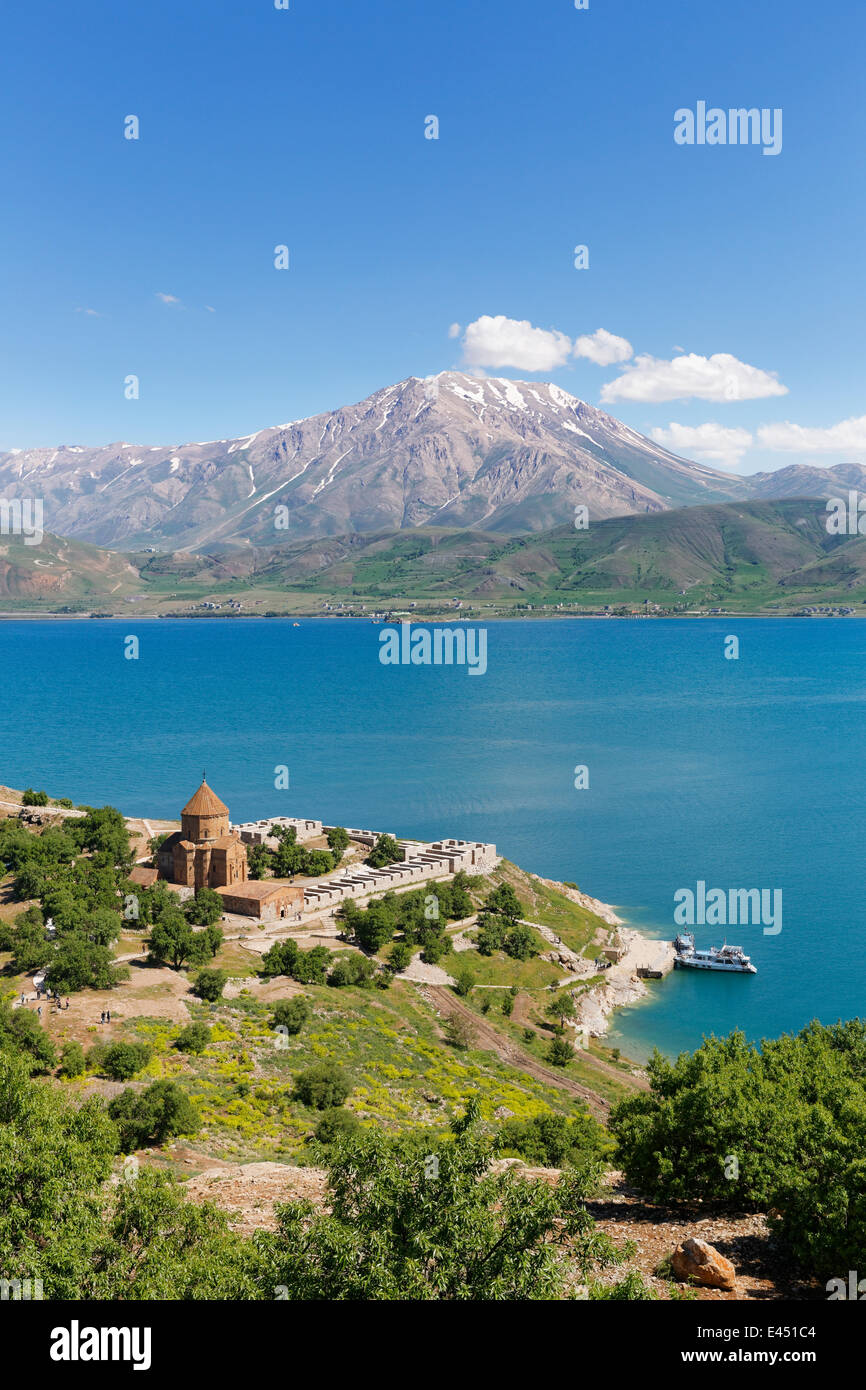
697	1260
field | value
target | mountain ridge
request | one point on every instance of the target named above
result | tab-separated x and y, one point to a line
453	451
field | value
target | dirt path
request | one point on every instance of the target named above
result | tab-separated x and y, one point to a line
487	1037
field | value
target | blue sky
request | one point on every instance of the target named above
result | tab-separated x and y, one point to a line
306	127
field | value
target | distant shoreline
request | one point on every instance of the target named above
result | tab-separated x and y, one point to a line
132	615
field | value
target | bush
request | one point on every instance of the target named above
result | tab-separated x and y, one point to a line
464	982
400	957
209	984
193	1038
290	1014
459	1032
561	1052
31	798
351	970
21	1031
72	1059
385	851
792	1113
322	1086
335	1124
156	1114
122	1060
555	1141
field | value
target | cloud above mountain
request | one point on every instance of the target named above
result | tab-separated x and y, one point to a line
497	341
721	377
603	348
848	436
722	444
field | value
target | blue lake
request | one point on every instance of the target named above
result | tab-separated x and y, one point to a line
743	773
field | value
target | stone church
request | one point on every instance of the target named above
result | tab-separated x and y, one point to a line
204	853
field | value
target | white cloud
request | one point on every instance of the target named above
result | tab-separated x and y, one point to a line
167	298
717	378
210	308
713	442
454	330
91	313
603	348
848	437
502	342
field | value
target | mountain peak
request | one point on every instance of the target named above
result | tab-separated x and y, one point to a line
453	450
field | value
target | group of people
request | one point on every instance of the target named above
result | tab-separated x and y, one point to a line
41	993
105	1017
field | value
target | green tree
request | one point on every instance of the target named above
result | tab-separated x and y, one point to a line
55	1156
351	970
104	831
400	957
291	1014
21	1032
122	1060
504	902
336	1124
160	1112
560	1052
193	1038
419	1218
464	981
259	861
323	1086
78	964
560	1008
72	1059
173	941
209	984
338	841
491	933
777	1127
206	908
385	851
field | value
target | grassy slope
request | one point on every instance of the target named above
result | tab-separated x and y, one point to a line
749	556
405	1072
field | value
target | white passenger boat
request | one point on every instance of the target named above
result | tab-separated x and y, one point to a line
723	957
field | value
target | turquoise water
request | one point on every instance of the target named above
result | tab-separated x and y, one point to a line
743	773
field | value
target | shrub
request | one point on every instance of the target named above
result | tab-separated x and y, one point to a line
464	981
193	1038
21	1031
459	1032
792	1112
560	1052
72	1059
290	1014
323	1086
123	1059
209	984
400	957
555	1141
351	970
154	1115
31	798
335	1124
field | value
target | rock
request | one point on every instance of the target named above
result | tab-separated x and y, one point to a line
700	1261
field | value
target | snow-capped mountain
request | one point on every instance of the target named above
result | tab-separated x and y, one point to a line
451	450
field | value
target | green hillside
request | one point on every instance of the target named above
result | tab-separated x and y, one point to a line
773	556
